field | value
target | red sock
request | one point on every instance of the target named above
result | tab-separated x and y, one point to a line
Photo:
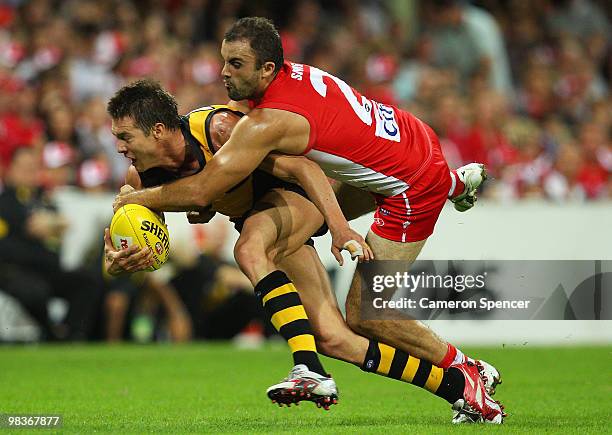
453	356
457	187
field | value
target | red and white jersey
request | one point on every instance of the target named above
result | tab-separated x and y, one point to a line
369	145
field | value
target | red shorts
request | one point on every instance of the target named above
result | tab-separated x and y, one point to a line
411	216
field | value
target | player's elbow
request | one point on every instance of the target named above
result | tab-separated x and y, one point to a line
290	174
301	170
307	165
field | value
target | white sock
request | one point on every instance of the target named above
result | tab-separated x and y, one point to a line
460	358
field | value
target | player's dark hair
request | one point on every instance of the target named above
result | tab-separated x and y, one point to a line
263	38
147	103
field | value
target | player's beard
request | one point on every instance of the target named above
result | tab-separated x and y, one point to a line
246	90
235	94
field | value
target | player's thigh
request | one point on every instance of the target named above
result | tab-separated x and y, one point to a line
310	278
282	221
259	231
385	249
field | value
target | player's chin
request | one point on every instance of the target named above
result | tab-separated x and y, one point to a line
136	164
141	166
234	94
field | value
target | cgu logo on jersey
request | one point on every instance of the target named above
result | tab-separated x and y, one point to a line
378	221
156	231
386	125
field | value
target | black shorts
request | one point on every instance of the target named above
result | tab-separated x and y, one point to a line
264	183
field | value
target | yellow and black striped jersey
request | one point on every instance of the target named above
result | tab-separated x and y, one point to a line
195	128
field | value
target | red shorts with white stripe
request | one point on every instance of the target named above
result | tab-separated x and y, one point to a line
411	216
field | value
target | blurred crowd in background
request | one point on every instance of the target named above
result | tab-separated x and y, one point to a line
523	86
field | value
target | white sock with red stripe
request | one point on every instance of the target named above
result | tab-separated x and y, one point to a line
457	186
453	356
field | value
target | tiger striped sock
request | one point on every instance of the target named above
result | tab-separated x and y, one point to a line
284	308
394	363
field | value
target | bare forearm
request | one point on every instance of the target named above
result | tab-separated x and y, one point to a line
322	195
310	176
181	195
192	193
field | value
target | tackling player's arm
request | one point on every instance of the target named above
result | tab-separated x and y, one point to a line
253	138
308	174
134	258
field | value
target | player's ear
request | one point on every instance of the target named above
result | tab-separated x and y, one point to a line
158	130
268	69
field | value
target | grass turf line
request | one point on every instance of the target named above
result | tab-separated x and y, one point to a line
210	388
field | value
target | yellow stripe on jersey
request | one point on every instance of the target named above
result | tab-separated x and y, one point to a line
197	123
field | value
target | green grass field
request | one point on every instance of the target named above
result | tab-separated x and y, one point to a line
215	388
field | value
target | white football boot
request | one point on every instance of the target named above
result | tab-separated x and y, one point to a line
472	175
303	384
490	376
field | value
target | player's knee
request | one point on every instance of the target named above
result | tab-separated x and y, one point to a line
250	256
244	256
